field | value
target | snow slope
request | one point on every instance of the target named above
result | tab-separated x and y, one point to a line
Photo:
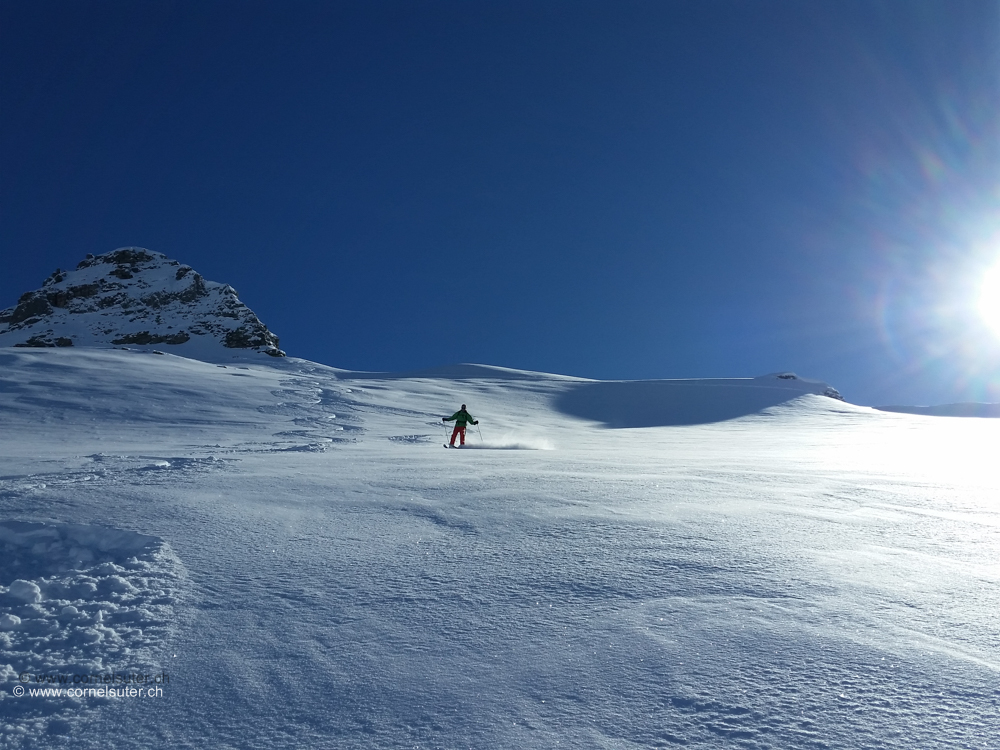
291	546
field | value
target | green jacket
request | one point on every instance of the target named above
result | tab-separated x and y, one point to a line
461	418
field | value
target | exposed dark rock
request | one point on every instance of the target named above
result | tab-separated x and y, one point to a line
182	272
40	342
62	298
111	301
122	272
194	292
129	256
144	338
248	337
55	278
36	306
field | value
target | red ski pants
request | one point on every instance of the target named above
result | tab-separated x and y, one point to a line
458	431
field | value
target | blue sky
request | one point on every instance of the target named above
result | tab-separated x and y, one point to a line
606	189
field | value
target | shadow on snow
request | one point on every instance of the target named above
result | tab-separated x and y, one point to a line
660	403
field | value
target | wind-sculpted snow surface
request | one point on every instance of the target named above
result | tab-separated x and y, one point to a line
78	602
811	574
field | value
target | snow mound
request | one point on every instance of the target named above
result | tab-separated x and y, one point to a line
77	601
135	297
659	403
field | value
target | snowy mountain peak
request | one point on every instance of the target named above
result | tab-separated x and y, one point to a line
136	297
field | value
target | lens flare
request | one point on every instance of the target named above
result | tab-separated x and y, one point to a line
989	299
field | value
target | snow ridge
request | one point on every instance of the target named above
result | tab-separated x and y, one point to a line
135	297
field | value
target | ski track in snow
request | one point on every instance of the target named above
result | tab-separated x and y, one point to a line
290	543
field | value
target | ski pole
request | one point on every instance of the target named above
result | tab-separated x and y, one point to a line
480	434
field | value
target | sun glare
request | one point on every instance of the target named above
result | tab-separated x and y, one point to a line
989	299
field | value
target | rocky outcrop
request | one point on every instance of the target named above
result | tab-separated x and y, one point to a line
43	341
135	297
144	338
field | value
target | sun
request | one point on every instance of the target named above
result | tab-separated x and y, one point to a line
989	298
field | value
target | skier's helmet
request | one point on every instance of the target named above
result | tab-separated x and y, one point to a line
463	406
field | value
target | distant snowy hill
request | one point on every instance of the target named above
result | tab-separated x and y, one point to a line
134	297
949	410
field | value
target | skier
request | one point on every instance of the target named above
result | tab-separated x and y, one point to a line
461	418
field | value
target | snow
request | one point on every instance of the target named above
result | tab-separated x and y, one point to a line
743	563
96	595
